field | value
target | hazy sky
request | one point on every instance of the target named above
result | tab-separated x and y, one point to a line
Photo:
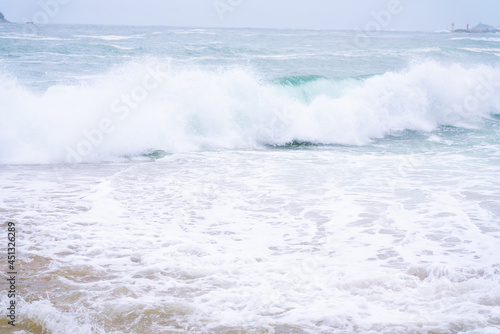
313	14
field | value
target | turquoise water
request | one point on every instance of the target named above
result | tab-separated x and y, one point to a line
240	88
43	55
172	180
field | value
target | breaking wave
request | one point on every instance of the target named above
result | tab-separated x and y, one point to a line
149	106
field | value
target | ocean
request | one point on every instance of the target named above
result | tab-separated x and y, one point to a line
188	180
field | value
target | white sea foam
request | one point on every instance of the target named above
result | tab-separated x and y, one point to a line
492	51
121	47
42	313
194	109
397	236
29	37
111	37
284	240
481	39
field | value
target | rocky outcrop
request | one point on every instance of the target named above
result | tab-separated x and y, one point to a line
2	18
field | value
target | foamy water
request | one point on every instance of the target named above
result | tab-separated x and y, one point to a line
235	186
233	109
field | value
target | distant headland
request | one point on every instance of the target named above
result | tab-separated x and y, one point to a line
479	29
2	18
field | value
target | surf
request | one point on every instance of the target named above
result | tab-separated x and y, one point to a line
150	105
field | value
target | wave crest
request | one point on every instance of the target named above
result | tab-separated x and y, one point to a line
150	106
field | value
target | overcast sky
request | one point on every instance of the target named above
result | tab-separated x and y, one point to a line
432	15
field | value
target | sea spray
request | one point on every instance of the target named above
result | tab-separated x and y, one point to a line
195	109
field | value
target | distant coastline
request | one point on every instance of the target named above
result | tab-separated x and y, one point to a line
479	29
